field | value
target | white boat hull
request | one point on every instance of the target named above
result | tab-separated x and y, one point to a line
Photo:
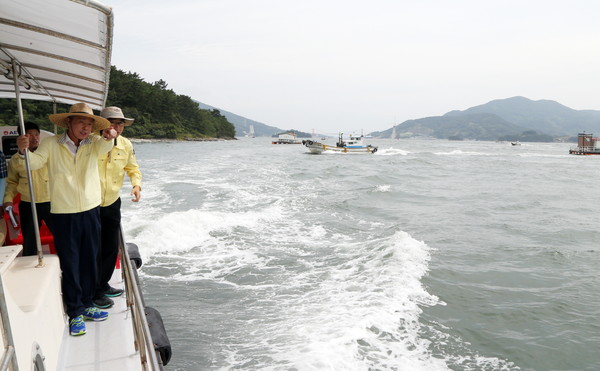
39	325
318	148
34	305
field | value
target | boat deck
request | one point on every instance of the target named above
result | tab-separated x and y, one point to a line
107	345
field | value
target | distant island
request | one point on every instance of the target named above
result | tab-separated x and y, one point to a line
511	119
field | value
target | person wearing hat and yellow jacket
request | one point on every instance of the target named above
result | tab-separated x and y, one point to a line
72	160
112	167
18	183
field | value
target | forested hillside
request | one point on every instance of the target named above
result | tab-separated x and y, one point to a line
159	112
516	118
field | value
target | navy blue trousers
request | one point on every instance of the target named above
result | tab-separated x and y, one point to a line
77	240
110	222
43	213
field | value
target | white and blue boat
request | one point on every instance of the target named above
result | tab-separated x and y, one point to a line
353	144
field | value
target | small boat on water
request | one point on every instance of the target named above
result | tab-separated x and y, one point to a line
586	145
287	138
44	57
354	144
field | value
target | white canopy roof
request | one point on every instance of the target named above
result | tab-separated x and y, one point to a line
62	50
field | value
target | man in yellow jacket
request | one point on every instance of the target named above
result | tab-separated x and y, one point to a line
112	168
72	160
17	183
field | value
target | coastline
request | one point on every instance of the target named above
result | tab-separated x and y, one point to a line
142	140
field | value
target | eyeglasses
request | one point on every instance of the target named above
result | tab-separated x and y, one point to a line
117	122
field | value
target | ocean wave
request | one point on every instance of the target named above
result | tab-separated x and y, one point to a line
391	152
459	152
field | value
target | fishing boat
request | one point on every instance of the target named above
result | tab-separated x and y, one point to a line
59	51
586	145
354	144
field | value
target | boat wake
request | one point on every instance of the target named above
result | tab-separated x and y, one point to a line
392	152
383	188
293	270
458	152
309	297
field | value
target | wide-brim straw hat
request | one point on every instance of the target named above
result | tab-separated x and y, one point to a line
79	109
115	113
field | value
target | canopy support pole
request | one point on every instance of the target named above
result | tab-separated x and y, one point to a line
36	226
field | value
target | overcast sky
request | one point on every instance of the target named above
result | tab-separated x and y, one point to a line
347	65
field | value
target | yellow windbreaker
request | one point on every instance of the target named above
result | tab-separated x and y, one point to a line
16	182
112	167
74	181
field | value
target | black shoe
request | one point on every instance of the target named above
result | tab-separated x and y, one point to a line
112	292
103	302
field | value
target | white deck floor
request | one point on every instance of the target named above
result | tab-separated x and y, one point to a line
107	345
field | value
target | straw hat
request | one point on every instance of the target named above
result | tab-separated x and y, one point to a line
79	109
115	113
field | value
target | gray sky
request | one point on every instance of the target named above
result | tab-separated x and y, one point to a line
347	65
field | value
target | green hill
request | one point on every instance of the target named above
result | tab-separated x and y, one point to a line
480	126
159	112
515	118
542	115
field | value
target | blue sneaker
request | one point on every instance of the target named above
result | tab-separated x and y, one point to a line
94	314
77	326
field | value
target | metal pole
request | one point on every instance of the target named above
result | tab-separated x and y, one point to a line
36	227
140	322
54	111
6	329
8	357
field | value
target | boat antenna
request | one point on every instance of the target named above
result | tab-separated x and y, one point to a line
36	226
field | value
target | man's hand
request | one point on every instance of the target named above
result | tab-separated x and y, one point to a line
23	143
136	193
109	133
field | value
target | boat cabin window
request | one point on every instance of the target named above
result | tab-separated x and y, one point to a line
9	146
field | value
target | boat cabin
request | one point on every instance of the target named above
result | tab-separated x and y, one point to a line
8	142
586	145
287	138
8	139
353	141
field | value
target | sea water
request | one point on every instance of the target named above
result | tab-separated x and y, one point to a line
428	255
